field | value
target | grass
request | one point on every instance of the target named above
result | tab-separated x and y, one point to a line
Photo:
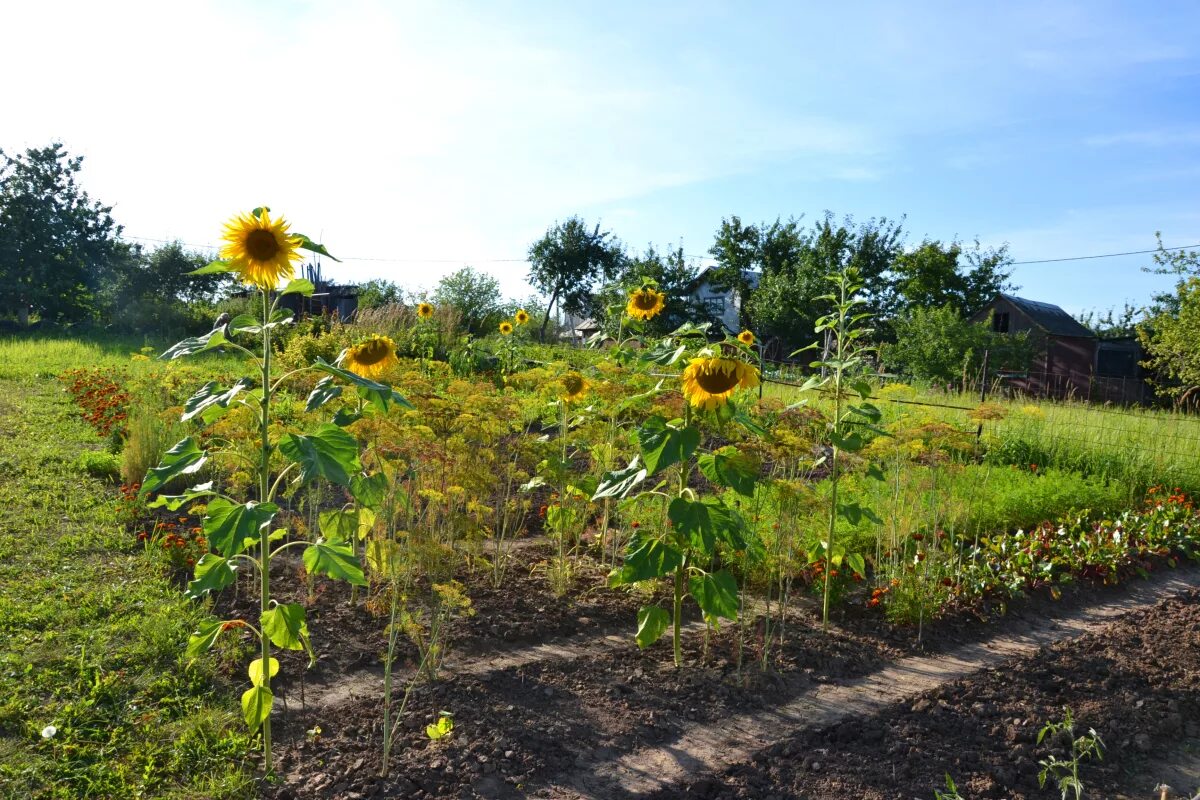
91	630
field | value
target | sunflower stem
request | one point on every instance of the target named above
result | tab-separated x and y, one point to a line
264	531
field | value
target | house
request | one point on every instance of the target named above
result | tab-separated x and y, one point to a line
1069	359
722	304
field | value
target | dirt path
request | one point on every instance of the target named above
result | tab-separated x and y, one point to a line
707	748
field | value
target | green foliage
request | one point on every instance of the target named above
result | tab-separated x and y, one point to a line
568	261
670	274
57	246
939	344
931	276
379	292
475	296
99	464
1169	338
1065	771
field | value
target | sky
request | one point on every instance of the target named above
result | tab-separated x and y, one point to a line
415	138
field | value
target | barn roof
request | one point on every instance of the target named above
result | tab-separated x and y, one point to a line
1049	317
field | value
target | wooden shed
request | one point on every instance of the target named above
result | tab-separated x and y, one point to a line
1064	364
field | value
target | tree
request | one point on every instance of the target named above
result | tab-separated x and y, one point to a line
1169	338
1113	324
938	344
568	261
476	296
379	292
56	245
932	275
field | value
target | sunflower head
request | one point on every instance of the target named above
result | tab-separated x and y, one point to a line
259	249
574	386
645	303
521	317
746	338
506	328
424	310
708	383
371	358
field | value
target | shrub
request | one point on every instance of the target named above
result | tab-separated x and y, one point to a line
148	440
98	464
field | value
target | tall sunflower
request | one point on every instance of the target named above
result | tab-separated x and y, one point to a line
645	303
708	383
521	317
506	328
260	250
424	310
746	338
371	358
574	386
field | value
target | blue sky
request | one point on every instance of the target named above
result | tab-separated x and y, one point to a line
436	134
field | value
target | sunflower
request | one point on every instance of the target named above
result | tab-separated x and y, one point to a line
645	303
708	383
521	317
574	386
746	338
506	328
259	249
424	310
371	357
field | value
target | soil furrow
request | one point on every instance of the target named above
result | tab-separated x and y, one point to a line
706	748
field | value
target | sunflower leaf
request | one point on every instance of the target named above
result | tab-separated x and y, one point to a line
663	445
210	402
185	458
300	286
322	393
652	624
327	451
379	395
196	344
308	244
336	560
213	268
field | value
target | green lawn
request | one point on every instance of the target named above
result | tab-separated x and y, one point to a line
91	631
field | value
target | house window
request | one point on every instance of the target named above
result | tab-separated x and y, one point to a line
1000	322
715	306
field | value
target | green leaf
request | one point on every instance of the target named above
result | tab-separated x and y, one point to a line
345	417
173	502
204	638
213	573
730	467
256	705
336	560
866	411
863	388
705	522
441	728
746	421
256	671
346	524
196	344
228	525
874	471
286	627
663	445
851	443
619	483
857	563
211	402
308	244
369	491
248	323
716	594
379	395
322	393
185	458
213	268
652	623
646	558
300	286
327	451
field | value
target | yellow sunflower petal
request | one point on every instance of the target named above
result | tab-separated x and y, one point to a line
645	303
708	383
260	250
371	358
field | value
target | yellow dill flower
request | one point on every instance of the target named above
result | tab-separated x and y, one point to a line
371	357
574	386
708	383
506	328
645	303
746	338
521	317
424	310
260	250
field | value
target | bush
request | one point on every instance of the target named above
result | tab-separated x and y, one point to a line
99	464
144	448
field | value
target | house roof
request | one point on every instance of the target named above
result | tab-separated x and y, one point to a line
752	278
1049	317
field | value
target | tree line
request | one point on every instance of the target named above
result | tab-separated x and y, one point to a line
63	261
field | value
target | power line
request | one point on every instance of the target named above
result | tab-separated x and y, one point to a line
706	258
